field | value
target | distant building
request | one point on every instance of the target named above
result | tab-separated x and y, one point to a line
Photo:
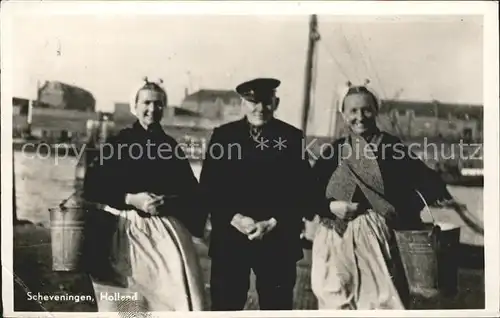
50	124
54	124
122	113
220	106
53	94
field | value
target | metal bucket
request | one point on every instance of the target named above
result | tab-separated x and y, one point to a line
429	258
448	253
67	238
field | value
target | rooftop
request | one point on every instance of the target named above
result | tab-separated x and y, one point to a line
211	95
428	108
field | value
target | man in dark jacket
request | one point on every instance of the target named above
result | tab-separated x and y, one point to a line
255	181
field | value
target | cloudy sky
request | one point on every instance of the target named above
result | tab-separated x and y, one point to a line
433	57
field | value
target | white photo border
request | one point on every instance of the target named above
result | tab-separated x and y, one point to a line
489	11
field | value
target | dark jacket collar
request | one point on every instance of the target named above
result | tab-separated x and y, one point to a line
267	126
153	129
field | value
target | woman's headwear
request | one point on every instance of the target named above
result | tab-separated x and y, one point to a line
146	84
349	89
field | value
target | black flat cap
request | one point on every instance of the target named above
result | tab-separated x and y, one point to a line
258	86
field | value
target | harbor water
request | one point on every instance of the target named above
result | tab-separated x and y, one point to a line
43	182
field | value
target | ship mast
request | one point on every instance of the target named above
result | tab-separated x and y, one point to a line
313	37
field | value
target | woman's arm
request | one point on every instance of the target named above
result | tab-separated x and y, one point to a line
104	177
426	180
322	170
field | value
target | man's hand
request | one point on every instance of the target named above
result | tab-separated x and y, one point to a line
145	201
262	228
344	210
244	224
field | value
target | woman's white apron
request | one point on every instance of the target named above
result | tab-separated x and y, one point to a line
158	259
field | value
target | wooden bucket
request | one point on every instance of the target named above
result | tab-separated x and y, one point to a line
429	258
67	238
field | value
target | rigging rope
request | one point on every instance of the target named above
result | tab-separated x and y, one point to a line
364	60
370	62
350	53
339	66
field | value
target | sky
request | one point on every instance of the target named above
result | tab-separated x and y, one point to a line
409	57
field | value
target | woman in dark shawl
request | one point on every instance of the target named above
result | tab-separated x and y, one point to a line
370	185
140	254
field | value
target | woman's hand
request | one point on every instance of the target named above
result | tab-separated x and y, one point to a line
344	210
450	203
310	228
144	201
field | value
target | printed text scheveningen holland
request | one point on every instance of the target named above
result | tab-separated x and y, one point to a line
59	297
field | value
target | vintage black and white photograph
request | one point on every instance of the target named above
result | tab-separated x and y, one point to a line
225	162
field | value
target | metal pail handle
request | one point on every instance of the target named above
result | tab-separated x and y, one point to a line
435	226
